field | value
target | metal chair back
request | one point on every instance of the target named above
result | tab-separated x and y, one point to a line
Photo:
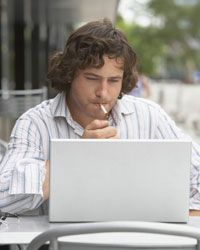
3	147
56	243
14	103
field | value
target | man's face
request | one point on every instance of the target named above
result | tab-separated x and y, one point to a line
92	87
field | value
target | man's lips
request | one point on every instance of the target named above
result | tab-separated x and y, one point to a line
103	103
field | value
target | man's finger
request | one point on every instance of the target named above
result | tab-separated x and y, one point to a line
97	124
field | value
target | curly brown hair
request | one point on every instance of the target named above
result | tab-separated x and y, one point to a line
85	48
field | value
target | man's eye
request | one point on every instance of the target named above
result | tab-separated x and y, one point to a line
113	80
92	78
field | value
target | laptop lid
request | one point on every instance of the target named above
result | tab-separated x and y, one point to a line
106	180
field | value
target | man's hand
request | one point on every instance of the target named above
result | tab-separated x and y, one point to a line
46	182
100	129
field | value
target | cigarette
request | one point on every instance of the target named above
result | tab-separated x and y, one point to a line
103	109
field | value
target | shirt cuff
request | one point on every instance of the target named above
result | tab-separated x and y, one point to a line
28	177
195	198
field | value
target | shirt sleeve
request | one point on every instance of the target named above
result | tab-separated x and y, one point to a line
167	129
22	170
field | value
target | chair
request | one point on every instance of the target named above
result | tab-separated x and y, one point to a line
3	147
78	238
13	103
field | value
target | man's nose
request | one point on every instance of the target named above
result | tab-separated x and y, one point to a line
102	88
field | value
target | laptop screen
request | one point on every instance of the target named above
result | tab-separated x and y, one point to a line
106	180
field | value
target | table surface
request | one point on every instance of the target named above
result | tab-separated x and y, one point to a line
24	229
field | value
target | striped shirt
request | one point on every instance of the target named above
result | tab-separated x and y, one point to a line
22	170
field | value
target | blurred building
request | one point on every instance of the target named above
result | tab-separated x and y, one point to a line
29	31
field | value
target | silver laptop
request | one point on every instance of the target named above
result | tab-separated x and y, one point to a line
107	180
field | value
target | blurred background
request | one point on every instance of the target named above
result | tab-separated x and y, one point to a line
164	33
166	37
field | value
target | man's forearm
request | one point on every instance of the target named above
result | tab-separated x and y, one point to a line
194	213
46	182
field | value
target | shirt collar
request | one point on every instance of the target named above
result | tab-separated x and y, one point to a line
58	107
123	106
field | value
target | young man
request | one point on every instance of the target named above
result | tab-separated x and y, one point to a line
93	74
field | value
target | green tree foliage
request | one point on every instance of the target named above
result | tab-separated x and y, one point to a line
146	44
174	43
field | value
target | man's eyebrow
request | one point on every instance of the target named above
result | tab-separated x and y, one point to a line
91	74
95	75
